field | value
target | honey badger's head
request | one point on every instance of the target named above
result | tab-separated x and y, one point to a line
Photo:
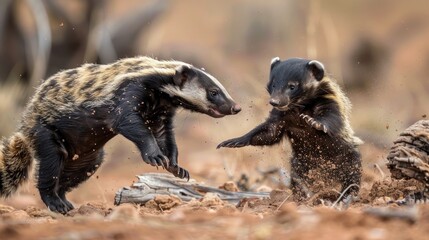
198	91
292	80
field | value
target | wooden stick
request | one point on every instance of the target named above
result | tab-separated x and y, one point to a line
151	184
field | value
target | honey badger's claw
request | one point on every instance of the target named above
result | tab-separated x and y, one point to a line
313	123
179	172
158	161
164	163
232	143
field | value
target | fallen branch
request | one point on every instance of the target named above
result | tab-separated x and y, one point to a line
151	184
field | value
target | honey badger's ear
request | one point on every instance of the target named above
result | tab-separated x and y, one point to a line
274	61
183	73
317	69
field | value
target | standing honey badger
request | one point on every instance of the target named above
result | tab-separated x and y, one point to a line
75	112
313	113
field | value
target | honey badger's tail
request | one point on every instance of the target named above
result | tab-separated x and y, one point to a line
15	162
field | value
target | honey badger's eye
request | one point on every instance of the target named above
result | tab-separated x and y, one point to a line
291	87
214	92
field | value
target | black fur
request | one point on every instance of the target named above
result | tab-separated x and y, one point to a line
306	112
69	149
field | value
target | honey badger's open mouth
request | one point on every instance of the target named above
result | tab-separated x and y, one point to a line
215	113
211	111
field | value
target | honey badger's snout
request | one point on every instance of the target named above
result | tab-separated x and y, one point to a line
235	109
275	102
229	107
279	100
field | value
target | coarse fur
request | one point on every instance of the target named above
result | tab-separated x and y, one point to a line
310	110
75	112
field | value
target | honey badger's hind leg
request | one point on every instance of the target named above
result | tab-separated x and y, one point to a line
350	175
299	179
51	155
78	171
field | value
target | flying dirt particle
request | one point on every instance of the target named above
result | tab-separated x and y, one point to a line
75	157
424	116
387	126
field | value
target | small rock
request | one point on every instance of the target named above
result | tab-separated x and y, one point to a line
382	200
229	186
37	213
164	202
93	209
16	215
248	202
264	188
151	204
6	209
211	199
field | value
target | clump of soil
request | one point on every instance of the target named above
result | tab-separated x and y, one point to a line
91	208
394	189
163	202
229	186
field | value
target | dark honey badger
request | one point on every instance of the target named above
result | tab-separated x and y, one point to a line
309	109
75	112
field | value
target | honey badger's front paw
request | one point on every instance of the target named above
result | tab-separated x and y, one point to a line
55	203
314	123
156	159
179	172
234	143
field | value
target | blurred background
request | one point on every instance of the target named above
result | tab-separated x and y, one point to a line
378	51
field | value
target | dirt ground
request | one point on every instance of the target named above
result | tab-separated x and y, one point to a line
214	219
373	216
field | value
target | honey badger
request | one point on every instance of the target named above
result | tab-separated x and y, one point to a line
75	112
310	110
